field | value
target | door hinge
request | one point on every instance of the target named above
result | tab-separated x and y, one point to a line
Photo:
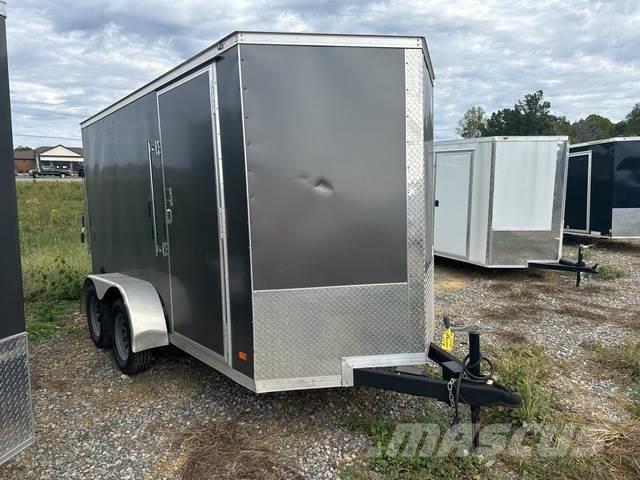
156	147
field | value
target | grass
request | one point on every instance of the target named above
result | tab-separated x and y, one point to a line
524	369
619	456
400	465
610	272
623	358
54	262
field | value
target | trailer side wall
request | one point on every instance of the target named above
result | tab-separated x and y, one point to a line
16	417
625	216
236	199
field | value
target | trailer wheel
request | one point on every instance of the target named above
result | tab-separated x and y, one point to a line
127	361
98	319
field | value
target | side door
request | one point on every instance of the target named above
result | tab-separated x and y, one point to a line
578	197
191	203
453	182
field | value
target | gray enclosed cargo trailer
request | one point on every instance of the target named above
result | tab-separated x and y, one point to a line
16	419
267	207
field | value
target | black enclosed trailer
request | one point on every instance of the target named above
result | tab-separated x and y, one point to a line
16	424
603	188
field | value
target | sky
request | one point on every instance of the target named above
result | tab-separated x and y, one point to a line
68	59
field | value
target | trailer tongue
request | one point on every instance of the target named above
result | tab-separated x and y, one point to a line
461	382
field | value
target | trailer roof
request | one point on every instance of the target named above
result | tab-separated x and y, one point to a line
504	138
267	38
607	140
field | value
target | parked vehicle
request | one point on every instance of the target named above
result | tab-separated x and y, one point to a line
603	188
482	187
312	218
49	171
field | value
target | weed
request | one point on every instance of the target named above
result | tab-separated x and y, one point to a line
396	465
610	272
634	407
54	262
623	358
568	467
524	369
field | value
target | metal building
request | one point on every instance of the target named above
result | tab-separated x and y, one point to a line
603	188
499	200
16	419
271	200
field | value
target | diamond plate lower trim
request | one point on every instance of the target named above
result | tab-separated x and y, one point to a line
306	332
625	222
512	247
16	415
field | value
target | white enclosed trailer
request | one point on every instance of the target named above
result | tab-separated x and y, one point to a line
500	200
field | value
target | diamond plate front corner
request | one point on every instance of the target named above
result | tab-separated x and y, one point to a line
416	219
16	415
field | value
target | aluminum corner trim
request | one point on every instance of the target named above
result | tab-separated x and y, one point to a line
3	9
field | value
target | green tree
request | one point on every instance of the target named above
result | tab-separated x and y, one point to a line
530	116
632	121
593	127
473	123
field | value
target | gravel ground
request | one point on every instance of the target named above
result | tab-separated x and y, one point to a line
93	422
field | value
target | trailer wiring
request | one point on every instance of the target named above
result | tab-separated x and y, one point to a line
467	375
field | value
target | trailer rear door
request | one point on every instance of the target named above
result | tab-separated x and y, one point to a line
191	206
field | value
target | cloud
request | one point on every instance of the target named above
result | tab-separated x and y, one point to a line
69	59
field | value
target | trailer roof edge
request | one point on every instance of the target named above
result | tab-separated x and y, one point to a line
503	138
3	8
607	140
267	38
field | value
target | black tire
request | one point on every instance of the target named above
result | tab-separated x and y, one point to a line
98	319
127	361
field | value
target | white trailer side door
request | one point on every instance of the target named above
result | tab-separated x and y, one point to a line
453	180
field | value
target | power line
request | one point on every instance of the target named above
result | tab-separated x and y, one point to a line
45	136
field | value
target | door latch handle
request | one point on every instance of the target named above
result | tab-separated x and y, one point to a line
169	216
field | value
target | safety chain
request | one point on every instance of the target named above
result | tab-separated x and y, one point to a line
452	400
